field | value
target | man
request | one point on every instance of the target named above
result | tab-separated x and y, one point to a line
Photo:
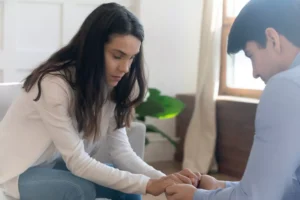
268	31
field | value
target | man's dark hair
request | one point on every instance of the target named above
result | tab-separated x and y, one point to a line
257	16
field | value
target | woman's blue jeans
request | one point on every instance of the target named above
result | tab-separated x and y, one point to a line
38	183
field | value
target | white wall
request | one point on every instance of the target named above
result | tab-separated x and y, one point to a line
172	29
31	30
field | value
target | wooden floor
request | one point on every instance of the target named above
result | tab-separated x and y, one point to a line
170	167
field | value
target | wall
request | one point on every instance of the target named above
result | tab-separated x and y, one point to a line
172	29
31	30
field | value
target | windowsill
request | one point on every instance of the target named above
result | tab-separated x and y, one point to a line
237	99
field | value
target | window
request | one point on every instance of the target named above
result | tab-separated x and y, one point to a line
236	70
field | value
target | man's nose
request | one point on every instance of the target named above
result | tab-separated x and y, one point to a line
255	74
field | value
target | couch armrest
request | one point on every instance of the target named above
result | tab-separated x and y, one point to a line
137	134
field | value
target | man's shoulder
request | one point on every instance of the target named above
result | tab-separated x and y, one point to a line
282	85
291	75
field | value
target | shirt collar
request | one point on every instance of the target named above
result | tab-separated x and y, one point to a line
296	62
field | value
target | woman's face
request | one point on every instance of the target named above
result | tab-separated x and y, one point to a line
119	53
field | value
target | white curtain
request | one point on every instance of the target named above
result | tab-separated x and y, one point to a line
200	140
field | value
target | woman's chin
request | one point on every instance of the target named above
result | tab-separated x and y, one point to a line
113	83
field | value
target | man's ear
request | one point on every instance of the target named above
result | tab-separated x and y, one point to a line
273	39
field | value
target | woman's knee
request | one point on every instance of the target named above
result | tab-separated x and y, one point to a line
133	197
48	184
75	190
85	189
58	189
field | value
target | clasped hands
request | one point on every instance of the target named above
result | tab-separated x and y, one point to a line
182	185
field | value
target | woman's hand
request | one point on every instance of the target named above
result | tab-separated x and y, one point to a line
156	187
195	177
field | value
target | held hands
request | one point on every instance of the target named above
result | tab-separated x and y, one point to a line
187	192
158	186
180	192
194	177
184	191
210	183
182	185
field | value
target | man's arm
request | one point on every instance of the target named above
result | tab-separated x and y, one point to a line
275	152
231	183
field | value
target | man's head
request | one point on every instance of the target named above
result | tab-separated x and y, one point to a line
269	33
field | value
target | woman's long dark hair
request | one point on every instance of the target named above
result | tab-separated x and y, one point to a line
85	55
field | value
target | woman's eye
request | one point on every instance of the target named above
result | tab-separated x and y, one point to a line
117	57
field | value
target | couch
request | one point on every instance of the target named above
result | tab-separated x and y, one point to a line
136	133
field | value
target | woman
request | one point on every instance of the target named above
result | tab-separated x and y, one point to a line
84	91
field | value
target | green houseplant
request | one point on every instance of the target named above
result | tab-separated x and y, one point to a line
160	107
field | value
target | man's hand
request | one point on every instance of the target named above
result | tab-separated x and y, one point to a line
210	183
180	192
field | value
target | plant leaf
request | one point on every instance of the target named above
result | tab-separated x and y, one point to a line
153	92
171	107
158	106
149	108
